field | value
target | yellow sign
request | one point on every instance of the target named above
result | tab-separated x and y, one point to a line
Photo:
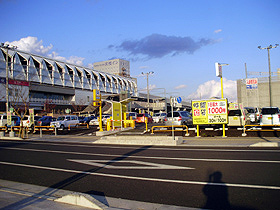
117	114
9	118
31	113
209	112
96	97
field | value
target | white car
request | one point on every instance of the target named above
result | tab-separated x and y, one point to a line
26	121
66	121
270	116
95	121
159	117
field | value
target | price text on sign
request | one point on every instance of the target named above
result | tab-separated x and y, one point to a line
209	112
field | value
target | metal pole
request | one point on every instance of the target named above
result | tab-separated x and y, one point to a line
148	93
269	68
269	78
7	80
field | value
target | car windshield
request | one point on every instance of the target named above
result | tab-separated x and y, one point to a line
43	118
61	118
175	114
250	110
156	114
234	112
140	115
270	110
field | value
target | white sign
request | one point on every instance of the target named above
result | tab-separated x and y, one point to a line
218	68
252	83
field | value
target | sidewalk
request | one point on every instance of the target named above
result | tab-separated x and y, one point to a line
218	141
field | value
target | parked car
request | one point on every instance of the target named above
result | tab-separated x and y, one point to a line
81	119
15	120
141	118
270	116
87	119
63	122
253	113
95	121
131	115
26	121
179	118
46	120
159	117
237	117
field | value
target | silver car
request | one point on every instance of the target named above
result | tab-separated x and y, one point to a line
159	117
270	116
179	118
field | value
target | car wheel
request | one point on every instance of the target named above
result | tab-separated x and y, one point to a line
62	127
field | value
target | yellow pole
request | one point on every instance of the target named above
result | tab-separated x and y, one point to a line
100	117
146	121
222	94
197	131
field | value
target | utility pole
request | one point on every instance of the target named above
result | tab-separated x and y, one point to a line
148	92
269	81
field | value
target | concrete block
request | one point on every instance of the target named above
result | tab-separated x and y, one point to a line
81	199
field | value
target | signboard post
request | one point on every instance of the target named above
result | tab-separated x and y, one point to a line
213	111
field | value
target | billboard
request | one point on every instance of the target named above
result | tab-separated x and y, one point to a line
252	83
209	111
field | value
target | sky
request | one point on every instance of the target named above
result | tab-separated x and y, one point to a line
178	40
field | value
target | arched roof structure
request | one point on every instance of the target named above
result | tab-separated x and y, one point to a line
35	68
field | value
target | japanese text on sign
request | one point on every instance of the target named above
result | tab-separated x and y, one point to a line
209	112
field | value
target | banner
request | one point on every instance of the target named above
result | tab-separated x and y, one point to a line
209	112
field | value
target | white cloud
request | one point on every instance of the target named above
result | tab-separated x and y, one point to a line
33	45
180	87
212	88
218	31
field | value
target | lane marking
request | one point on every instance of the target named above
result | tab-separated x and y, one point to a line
152	147
145	157
108	165
144	178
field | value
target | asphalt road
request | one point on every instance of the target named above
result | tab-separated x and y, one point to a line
217	178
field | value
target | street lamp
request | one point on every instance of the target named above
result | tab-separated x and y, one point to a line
148	93
7	47
219	73
269	81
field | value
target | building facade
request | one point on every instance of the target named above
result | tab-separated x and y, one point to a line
116	66
257	95
38	81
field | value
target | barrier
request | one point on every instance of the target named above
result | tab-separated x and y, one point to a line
168	126
3	128
125	124
260	128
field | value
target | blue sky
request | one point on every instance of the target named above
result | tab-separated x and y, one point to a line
179	40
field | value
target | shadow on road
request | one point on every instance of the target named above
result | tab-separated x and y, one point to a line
216	192
217	196
62	184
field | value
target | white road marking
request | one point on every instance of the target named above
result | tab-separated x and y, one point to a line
155	148
145	178
145	157
108	165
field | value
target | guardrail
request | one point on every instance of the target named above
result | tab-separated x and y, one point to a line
169	126
259	128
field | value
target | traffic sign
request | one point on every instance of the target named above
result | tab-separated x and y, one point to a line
179	100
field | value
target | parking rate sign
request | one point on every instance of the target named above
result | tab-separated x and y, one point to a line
209	112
